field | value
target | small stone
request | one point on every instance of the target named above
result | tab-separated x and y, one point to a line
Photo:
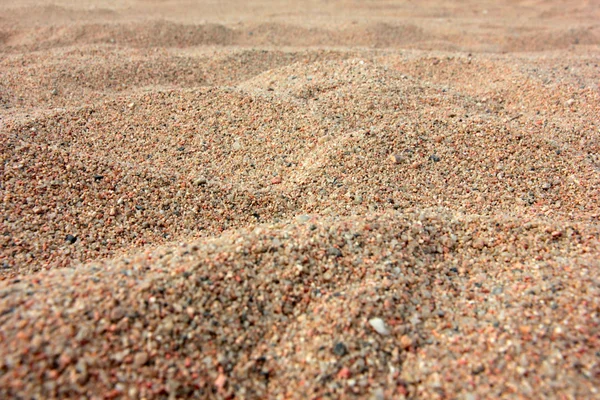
434	158
54	92
334	251
71	239
344	373
570	102
405	342
276	180
82	376
236	146
396	158
98	177
478	369
379	326
140	359
220	381
190	312
478	244
83	334
131	105
303	218
200	181
340	349
546	185
116	314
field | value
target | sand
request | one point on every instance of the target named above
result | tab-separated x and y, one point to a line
321	199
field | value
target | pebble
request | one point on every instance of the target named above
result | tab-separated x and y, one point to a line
344	373
340	349
379	326
405	342
140	359
71	238
396	158
334	251
303	218
200	181
220	381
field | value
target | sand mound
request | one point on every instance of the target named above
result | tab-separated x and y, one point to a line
186	162
268	308
279	200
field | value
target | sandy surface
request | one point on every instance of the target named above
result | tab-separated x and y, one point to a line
320	199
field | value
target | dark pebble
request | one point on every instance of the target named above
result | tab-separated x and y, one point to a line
478	369
340	349
71	239
434	158
98	177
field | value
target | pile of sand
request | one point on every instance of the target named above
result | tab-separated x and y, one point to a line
276	200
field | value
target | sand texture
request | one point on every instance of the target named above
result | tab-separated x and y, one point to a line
319	199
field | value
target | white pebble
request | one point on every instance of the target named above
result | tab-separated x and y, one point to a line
379	326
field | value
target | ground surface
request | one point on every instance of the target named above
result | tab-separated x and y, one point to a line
311	199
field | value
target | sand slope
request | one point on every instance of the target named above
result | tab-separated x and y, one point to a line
215	201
